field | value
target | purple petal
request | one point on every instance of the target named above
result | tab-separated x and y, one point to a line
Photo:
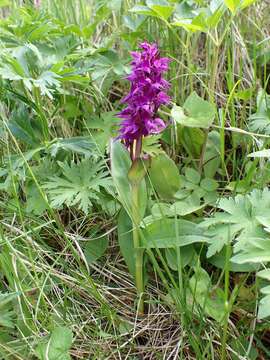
147	93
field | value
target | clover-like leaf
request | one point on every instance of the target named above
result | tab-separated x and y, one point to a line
196	112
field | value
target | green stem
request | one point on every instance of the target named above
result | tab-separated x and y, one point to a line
212	87
226	300
213	79
138	251
44	122
201	162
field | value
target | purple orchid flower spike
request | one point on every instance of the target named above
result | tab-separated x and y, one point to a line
37	3
147	93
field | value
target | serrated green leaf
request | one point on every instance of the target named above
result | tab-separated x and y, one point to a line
257	250
219	260
79	184
151	145
239	220
260	121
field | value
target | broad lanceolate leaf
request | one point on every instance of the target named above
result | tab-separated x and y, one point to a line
232	4
198	19
79	144
160	8
187	254
156	8
125	240
235	5
245	3
192	175
212	154
120	167
94	249
264	274
24	127
260	154
142	10
57	347
167	233
209	184
164	176
192	24
187	206
201	293
138	170
264	307
195	112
